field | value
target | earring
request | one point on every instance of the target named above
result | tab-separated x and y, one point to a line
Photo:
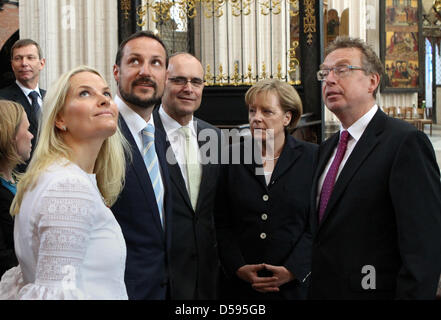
64	128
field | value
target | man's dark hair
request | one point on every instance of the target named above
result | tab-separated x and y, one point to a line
139	34
24	43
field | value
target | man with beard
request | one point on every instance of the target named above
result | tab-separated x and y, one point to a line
143	208
27	62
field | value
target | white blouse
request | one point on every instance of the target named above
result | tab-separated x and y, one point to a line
68	243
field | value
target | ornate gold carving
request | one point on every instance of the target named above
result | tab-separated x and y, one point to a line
236	76
309	20
249	76
294	11
293	61
213	8
269	6
141	12
279	74
221	77
126	6
209	76
264	75
240	7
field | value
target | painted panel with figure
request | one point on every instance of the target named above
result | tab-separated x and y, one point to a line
400	45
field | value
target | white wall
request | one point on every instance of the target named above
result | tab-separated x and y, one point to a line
71	33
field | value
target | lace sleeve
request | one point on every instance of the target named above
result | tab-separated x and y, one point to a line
64	222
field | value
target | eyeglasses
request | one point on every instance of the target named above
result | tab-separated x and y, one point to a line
182	81
340	71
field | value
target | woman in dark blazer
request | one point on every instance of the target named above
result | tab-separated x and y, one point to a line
262	204
15	148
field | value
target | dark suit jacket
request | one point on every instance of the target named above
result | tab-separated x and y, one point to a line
194	260
7	252
247	210
14	93
148	244
384	212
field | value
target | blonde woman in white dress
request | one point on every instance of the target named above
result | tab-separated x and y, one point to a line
67	241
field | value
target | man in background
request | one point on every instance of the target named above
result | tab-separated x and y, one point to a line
27	62
194	259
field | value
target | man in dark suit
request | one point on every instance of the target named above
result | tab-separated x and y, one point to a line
27	62
194	259
376	190
144	207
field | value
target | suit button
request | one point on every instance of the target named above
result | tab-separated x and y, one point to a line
264	217
265	197
263	236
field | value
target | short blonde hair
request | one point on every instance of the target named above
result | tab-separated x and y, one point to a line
11	116
288	97
109	165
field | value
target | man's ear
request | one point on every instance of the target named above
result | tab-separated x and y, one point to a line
374	82
42	63
116	72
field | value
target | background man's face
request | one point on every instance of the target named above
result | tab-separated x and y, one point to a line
27	64
183	100
141	75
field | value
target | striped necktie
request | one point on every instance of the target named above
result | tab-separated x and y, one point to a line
152	164
193	168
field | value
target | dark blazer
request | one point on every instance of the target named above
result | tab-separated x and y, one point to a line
148	243
7	252
256	223
14	93
384	212
194	260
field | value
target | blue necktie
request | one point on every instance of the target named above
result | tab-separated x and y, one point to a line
152	164
35	106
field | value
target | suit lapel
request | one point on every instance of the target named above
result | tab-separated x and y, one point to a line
368	141
139	168
20	97
290	153
206	167
175	170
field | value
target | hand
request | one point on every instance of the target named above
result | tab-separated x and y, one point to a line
281	275
248	273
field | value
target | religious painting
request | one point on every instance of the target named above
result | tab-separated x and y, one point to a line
400	45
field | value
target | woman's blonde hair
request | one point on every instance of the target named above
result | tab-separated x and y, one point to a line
109	165
11	116
288	97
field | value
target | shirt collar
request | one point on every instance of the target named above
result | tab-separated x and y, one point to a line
27	91
171	125
134	121
358	127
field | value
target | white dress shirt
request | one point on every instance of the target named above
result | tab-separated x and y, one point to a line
177	140
355	132
27	91
136	124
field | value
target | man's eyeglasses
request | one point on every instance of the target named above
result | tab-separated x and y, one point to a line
182	81
339	71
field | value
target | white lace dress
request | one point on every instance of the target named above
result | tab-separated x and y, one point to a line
68	243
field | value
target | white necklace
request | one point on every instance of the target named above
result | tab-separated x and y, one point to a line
270	159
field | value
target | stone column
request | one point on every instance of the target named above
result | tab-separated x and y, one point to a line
72	33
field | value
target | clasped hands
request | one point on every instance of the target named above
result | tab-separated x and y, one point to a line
280	276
